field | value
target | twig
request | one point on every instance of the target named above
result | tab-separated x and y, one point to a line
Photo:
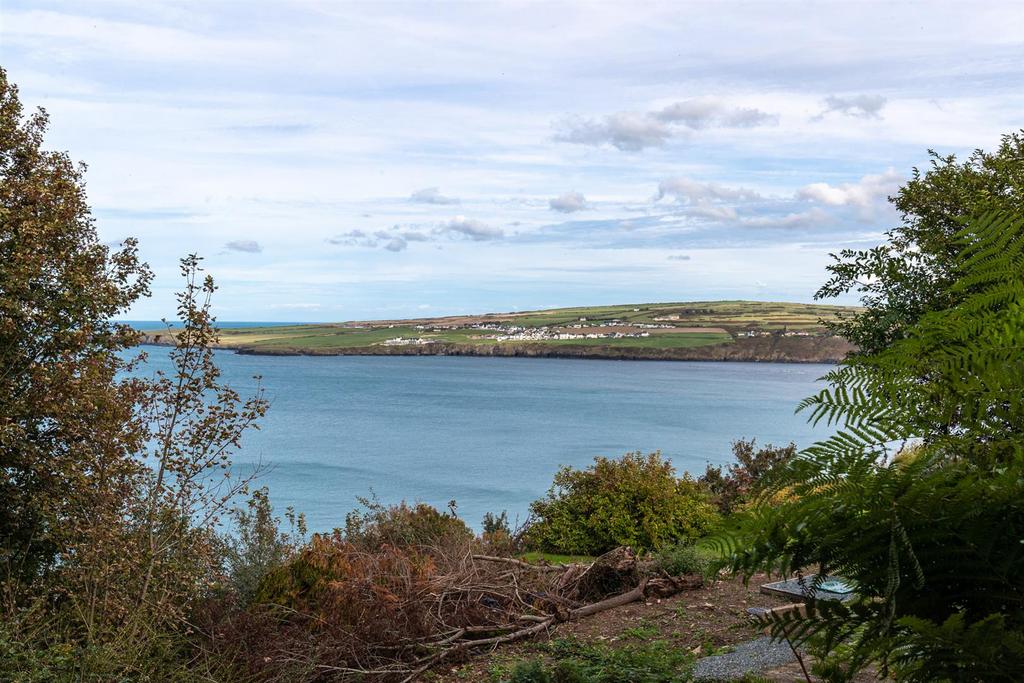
525	565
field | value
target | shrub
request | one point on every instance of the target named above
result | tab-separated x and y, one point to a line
257	544
404	525
680	559
635	500
742	480
497	534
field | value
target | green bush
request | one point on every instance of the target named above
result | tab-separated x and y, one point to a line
258	545
680	559
635	500
404	525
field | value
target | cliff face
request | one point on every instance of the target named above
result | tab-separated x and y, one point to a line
772	349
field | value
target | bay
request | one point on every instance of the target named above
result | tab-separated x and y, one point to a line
490	433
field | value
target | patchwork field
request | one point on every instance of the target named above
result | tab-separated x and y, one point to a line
663	330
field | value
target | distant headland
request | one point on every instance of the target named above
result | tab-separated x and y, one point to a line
700	330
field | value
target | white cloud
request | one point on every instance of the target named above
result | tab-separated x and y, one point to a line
800	220
679	257
706	112
860	106
865	194
632	131
432	195
688	190
568	202
714	212
398	237
477	231
244	246
396	244
627	131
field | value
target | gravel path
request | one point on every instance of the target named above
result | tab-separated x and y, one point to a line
753	656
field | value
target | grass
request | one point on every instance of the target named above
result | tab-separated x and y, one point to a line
731	316
536	556
567	660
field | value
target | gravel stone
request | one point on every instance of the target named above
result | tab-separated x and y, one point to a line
753	656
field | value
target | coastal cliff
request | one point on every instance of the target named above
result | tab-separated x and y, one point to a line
765	349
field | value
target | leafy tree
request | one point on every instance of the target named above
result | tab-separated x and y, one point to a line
918	499
66	420
258	544
635	500
102	556
912	273
743	478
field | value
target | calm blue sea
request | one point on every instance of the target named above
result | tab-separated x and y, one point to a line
490	432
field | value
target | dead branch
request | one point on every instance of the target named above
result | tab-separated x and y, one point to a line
526	565
616	601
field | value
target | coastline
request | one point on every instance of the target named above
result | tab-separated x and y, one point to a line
766	349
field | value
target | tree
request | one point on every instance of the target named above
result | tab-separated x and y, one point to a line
66	420
918	499
745	477
912	273
102	556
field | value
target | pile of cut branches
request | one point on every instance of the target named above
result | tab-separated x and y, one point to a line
339	612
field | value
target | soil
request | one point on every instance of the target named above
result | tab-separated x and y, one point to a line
704	621
701	621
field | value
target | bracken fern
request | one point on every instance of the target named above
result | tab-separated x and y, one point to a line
918	497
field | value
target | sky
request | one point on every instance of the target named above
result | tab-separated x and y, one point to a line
344	161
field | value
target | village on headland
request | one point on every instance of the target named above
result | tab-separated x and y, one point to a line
581	329
710	330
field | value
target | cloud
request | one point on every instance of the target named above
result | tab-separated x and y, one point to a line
691	191
477	231
679	257
632	131
431	195
395	238
398	237
865	194
396	244
568	202
714	212
800	220
705	112
859	106
353	238
627	131
244	246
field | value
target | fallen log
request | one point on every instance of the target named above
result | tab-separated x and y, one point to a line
637	593
526	565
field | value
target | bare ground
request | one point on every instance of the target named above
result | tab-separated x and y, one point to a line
700	621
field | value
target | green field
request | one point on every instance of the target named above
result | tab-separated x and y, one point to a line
684	325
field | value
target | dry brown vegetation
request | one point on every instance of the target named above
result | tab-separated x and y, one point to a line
347	610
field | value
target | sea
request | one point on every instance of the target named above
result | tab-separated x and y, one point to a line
490	433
